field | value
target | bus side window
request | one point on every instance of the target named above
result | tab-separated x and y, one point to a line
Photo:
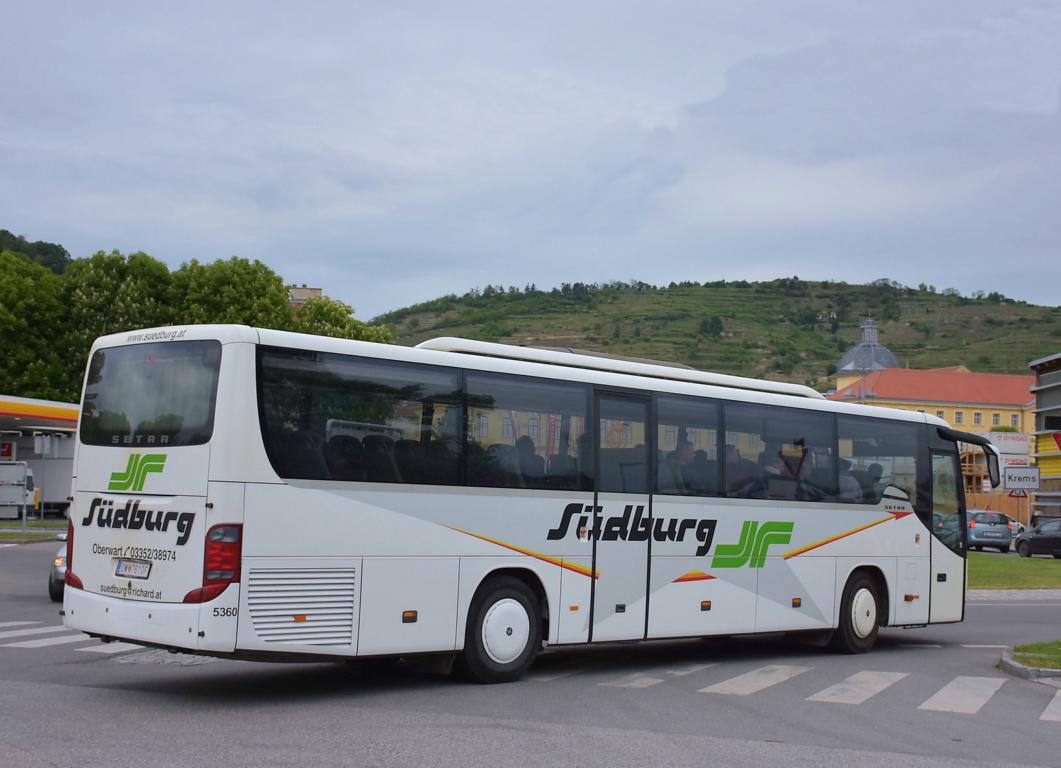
687	442
526	432
339	417
875	454
793	448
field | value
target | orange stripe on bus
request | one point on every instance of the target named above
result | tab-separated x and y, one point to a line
557	561
831	539
693	575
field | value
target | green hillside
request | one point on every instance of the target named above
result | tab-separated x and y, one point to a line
787	329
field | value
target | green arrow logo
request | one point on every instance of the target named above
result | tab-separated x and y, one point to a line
753	544
136	471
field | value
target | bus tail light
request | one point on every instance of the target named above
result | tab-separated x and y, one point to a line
70	579
221	562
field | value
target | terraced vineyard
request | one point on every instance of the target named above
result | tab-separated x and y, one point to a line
788	329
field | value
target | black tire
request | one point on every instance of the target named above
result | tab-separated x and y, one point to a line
976	548
1057	557
55	591
478	662
1003	550
850	637
1024	549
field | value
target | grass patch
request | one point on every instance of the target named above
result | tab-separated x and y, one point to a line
1047	655
30	535
1006	572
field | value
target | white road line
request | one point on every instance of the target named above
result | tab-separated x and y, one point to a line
636	680
974	645
45	641
920	645
858	688
5	546
35	631
109	648
17	623
689	669
1053	709
964	694
756	680
1015	605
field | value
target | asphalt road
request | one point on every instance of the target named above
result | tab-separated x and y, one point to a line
928	697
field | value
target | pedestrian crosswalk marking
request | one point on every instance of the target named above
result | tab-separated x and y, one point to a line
635	680
858	688
109	648
34	631
689	669
17	623
965	695
1053	709
756	680
46	641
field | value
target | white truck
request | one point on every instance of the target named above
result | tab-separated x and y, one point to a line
18	489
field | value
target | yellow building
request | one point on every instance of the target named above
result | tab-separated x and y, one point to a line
972	402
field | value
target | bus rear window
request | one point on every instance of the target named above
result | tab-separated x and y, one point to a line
151	394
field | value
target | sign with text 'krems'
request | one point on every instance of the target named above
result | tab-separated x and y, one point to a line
1021	479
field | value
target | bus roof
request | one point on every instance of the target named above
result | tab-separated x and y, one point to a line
595	362
521	360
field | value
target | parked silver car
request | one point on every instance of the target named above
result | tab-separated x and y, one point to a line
57	576
990	529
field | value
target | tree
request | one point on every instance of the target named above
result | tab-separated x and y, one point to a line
711	326
233	291
51	256
329	317
109	292
31	329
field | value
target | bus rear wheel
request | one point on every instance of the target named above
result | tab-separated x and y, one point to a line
504	632
859	616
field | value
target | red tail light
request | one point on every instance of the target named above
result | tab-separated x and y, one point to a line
70	578
221	563
972	523
1010	526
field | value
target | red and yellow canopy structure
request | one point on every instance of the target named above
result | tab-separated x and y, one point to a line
25	413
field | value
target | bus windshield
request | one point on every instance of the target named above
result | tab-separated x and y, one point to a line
151	394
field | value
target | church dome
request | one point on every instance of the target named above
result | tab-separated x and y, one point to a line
868	355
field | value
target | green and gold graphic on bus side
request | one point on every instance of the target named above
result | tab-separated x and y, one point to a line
751	548
136	472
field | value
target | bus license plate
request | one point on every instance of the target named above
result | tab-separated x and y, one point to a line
132	569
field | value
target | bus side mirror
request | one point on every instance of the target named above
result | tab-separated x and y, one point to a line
992	466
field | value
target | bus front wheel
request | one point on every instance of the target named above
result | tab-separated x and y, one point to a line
859	616
504	632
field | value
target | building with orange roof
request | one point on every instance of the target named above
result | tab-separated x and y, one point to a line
1003	404
973	402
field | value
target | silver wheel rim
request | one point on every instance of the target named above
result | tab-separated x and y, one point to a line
506	630
863	613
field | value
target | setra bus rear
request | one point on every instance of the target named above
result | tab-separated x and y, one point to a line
155	540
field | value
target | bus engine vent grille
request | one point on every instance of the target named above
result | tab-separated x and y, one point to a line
303	606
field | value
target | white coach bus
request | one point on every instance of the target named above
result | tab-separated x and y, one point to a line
488	501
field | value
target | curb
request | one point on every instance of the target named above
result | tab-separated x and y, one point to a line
1014	667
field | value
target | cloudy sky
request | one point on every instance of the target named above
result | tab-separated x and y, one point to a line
398	151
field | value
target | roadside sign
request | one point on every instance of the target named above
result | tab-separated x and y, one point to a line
1021	479
1018	494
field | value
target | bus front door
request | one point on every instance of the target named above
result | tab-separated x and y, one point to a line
622	518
